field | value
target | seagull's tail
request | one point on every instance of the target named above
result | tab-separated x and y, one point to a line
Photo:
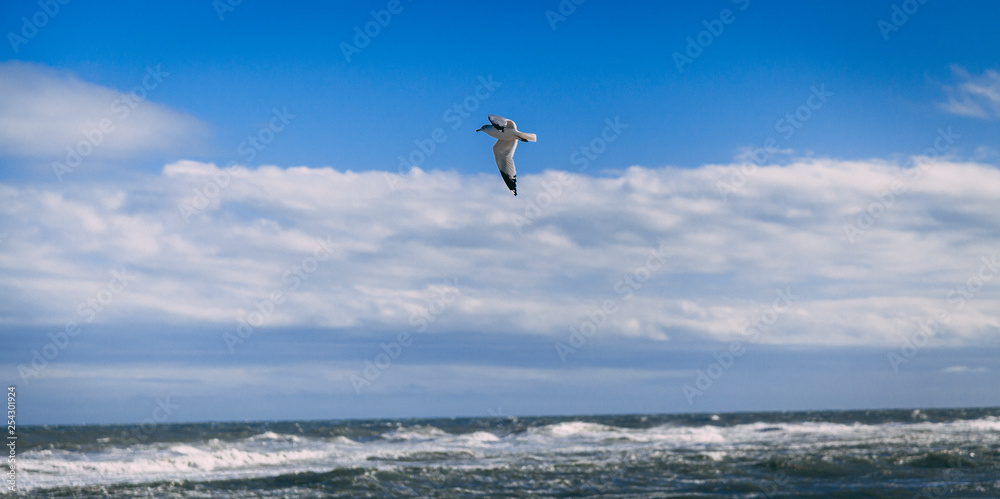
527	137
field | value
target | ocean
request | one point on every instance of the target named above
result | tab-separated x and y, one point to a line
880	453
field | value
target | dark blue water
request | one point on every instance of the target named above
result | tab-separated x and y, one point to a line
895	453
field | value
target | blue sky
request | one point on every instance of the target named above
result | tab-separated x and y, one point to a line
240	234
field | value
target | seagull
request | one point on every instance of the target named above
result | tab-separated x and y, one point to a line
505	131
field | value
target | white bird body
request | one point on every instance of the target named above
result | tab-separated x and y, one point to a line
507	135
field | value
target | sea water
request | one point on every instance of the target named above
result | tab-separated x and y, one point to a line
882	453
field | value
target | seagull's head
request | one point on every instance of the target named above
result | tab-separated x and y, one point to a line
484	127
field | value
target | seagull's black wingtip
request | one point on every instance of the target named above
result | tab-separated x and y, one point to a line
510	181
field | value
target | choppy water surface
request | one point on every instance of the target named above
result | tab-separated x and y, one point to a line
932	453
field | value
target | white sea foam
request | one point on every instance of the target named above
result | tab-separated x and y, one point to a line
270	435
178	459
270	454
415	433
478	438
212	459
576	428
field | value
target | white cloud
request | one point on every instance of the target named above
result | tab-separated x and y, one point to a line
44	111
388	254
964	370
974	96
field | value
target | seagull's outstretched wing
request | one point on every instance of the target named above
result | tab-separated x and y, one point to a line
498	122
503	151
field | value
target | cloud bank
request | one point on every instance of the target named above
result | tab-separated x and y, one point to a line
50	114
864	251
